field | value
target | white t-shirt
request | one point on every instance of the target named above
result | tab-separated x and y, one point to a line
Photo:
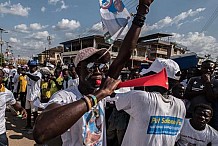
191	137
71	82
6	97
16	81
154	120
88	129
33	87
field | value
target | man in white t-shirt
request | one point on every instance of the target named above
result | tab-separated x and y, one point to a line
77	115
196	130
155	117
68	80
6	97
33	91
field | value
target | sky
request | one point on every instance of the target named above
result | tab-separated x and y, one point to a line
29	23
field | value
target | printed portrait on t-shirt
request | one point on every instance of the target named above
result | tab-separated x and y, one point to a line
93	127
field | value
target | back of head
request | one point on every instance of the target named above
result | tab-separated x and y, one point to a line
32	63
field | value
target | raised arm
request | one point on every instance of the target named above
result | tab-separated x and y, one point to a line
130	40
63	117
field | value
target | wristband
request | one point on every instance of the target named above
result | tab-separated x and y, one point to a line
89	103
139	21
94	99
146	8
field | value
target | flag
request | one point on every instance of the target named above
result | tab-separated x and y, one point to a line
114	17
158	79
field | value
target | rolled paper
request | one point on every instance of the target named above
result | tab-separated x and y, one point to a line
158	79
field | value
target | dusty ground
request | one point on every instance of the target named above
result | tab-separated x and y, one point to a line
17	137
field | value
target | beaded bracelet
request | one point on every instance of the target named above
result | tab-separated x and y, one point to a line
94	99
146	8
139	20
88	102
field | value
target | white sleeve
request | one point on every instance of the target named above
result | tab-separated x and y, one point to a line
62	97
214	137
10	97
39	75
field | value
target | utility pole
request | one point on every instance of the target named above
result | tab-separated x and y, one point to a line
1	43
49	45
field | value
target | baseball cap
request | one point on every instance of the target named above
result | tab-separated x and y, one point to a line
90	51
32	63
172	68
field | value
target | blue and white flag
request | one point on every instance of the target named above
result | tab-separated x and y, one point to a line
114	17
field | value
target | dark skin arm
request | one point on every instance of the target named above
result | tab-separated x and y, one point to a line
19	108
32	77
66	116
63	117
208	88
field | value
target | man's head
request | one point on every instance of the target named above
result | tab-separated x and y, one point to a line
72	70
134	73
208	67
57	72
91	66
202	115
118	5
32	64
178	91
66	74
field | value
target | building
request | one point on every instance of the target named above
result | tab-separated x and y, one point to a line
159	45
148	48
52	55
72	47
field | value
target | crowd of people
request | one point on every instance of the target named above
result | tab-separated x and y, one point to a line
85	104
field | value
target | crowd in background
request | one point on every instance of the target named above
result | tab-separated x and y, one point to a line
197	88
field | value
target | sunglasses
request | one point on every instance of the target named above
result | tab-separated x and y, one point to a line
92	66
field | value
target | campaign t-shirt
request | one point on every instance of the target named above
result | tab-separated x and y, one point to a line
89	130
191	137
154	120
6	97
33	87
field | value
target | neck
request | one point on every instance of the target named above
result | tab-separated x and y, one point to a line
195	126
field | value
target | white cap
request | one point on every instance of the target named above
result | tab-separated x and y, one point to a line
171	67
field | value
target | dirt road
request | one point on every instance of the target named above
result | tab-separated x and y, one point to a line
17	137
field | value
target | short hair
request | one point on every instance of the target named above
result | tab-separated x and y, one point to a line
204	106
64	70
208	61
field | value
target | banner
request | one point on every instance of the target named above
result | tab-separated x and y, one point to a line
114	18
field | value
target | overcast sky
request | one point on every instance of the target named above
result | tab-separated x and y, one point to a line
29	22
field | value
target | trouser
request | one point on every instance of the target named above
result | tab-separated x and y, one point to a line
30	107
3	140
28	120
23	99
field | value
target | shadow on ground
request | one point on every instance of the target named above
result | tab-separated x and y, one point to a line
15	125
